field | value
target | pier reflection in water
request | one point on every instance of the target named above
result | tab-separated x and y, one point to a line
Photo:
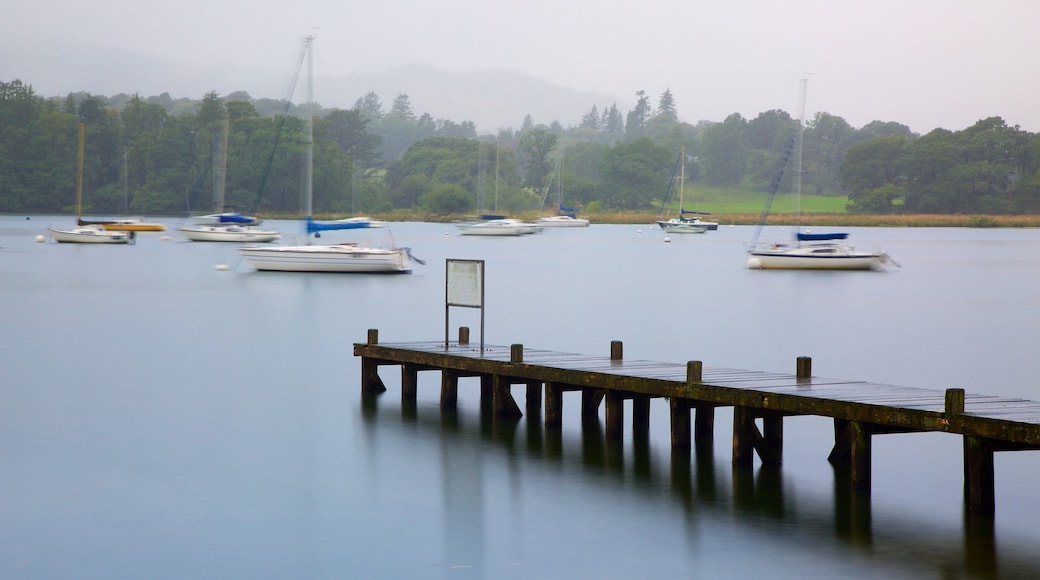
695	483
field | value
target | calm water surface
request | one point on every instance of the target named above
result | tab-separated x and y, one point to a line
160	417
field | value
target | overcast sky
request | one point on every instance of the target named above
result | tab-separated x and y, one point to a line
923	63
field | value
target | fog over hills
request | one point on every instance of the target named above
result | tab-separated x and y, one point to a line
492	99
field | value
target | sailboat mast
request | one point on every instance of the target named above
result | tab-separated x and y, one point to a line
798	153
308	179
682	178
79	176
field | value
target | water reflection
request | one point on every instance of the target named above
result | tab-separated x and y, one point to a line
695	482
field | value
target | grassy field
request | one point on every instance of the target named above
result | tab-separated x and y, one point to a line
741	207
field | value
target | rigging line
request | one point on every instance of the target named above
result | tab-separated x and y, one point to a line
773	187
671	185
281	124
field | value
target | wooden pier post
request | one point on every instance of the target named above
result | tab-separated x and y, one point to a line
534	397
704	429
616	349
979	485
679	412
744	431
370	381
504	405
553	406
590	400
803	367
449	389
859	435
641	415
409	383
463	335
615	415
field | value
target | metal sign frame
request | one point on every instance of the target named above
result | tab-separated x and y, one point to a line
463	288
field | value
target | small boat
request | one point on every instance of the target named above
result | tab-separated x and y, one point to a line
340	258
228	233
343	257
566	217
126	224
681	224
222	226
359	222
562	221
497	227
811	251
89	233
816	252
226	219
134	224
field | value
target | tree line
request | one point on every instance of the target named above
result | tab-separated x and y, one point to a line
159	156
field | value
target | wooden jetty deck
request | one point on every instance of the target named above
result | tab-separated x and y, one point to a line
859	409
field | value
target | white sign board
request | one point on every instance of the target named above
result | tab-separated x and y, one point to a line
465	283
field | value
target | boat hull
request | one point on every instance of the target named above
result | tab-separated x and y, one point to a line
202	233
90	235
501	227
562	221
681	227
340	258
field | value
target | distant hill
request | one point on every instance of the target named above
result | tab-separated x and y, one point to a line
491	99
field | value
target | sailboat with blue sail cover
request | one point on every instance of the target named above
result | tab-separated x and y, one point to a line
348	257
810	251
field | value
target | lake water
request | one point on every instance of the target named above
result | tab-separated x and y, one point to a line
161	417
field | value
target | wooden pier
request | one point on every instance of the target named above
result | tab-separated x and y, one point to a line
760	401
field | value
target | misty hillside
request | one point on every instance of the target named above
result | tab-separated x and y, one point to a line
491	99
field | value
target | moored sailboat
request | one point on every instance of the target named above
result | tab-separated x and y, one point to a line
811	251
87	233
681	224
566	217
222	226
346	257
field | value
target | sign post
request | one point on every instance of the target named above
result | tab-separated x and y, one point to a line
464	287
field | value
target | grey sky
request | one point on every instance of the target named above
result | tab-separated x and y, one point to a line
924	63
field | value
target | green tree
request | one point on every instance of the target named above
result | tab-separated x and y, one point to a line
635	121
633	173
349	130
827	138
723	155
871	173
666	106
534	149
447	198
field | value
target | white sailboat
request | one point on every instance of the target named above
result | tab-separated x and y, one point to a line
565	217
811	251
682	224
344	257
493	224
87	233
224	226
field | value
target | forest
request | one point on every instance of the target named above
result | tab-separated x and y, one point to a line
155	156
